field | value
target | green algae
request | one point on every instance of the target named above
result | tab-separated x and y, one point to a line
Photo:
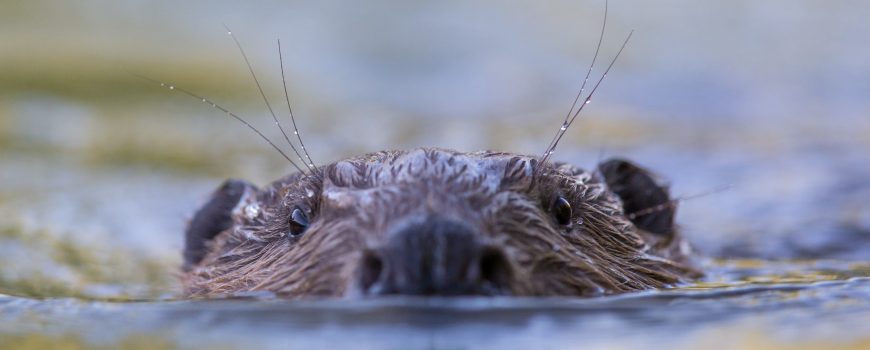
73	342
129	276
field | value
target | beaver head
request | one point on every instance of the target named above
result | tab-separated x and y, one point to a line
437	222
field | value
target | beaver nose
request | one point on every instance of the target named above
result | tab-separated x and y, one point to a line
435	257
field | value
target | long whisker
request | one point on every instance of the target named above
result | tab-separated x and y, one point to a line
586	78
586	101
290	108
673	202
202	99
266	100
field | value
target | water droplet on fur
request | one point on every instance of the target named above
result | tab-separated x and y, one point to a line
309	193
563	128
295	132
229	33
587	102
171	87
203	100
252	210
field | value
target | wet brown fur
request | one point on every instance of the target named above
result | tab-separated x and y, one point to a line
353	205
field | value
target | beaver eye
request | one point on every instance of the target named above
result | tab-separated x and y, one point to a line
298	222
561	210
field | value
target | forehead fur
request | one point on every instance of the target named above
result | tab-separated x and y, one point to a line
487	170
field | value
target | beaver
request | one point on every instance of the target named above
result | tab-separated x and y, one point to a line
433	221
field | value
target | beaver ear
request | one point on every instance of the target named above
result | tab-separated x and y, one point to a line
642	193
213	218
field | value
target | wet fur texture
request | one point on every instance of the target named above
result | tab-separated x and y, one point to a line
354	204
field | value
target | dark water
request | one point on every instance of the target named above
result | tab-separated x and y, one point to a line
99	170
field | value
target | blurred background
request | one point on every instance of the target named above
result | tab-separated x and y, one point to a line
100	169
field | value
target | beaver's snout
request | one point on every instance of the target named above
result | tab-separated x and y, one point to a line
435	257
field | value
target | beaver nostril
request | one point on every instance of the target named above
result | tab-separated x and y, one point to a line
434	257
495	271
371	269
